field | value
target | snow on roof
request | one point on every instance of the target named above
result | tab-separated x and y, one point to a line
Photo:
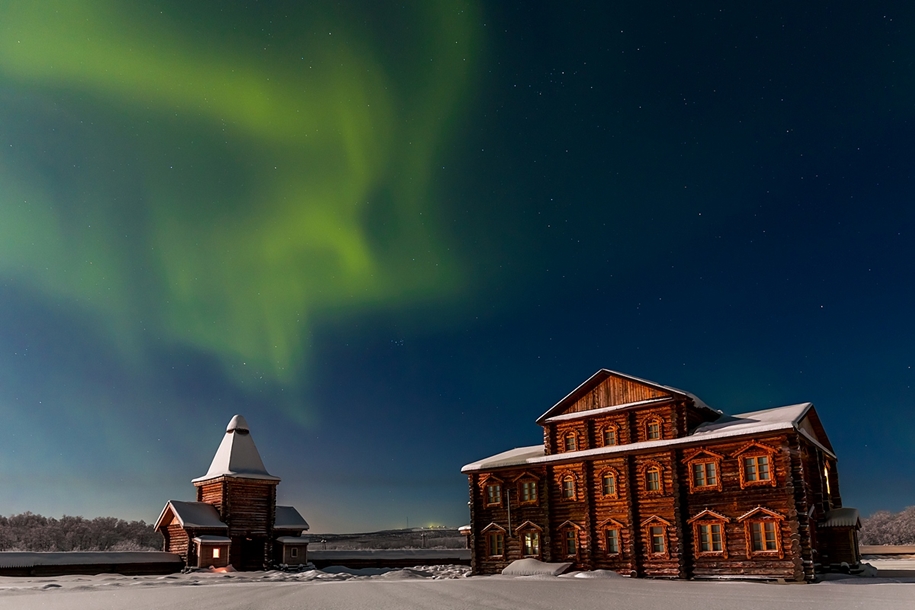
192	514
591	412
753	423
237	455
841	517
212	539
292	540
288	518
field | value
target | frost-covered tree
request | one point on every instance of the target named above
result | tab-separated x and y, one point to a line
30	532
884	527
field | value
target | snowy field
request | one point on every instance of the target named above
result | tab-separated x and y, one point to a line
440	587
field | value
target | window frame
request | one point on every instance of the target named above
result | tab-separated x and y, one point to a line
703	456
648	467
709	518
530	528
650	421
490	532
755	451
647	526
610	428
763	516
607	526
533	481
612	474
569	437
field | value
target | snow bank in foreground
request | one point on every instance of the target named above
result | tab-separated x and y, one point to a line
535	567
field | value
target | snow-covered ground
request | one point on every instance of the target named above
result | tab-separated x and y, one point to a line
439	587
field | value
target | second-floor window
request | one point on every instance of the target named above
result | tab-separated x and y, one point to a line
494	494
528	491
705	474
653	430
653	479
570	443
568	488
610	437
756	468
608	485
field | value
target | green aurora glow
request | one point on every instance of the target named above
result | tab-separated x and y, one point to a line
212	189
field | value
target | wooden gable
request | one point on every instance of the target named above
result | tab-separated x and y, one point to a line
608	389
813	427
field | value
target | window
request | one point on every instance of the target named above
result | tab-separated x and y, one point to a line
658	540
216	553
613	541
756	468
570	443
570	539
705	474
293	552
609	437
710	540
653	479
530	544
568	488
529	492
709	534
763	536
763	532
608	485
653	429
826	479
494	494
495	544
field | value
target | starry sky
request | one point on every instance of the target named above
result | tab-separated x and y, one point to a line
391	235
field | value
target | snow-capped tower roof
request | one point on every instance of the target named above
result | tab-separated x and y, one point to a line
237	455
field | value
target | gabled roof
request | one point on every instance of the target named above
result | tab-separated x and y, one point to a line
602	375
727	426
192	514
288	518
237	455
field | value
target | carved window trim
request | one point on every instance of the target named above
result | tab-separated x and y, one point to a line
523	531
652	536
753	451
491	488
709	519
612	473
648	428
610	429
607	526
647	479
526	483
703	457
567	481
569	441
570	532
494	535
763	520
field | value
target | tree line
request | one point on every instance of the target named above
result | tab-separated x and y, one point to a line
31	532
884	527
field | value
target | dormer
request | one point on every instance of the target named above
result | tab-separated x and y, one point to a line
612	408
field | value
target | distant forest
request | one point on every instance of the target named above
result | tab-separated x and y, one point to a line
29	532
885	527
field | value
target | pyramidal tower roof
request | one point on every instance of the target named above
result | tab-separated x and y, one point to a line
237	455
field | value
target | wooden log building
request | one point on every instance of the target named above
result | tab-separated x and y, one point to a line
649	481
235	519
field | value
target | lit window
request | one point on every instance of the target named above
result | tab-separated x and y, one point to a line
493	494
568	488
293	552
826	478
653	430
653	479
710	540
530	544
529	491
571	541
570	442
609	437
658	540
763	536
705	474
216	553
613	542
608	485
756	468
495	543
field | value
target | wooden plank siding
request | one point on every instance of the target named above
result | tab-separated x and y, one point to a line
614	391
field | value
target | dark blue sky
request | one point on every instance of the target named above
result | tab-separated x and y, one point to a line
392	236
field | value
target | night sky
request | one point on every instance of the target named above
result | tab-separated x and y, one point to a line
391	235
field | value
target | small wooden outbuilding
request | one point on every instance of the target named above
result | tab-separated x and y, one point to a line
235	519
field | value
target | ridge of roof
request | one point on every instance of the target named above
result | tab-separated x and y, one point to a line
603	374
237	456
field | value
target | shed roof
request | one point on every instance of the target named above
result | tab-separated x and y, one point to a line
727	426
841	517
192	514
237	456
288	518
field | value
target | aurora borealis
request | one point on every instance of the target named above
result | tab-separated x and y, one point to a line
392	235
